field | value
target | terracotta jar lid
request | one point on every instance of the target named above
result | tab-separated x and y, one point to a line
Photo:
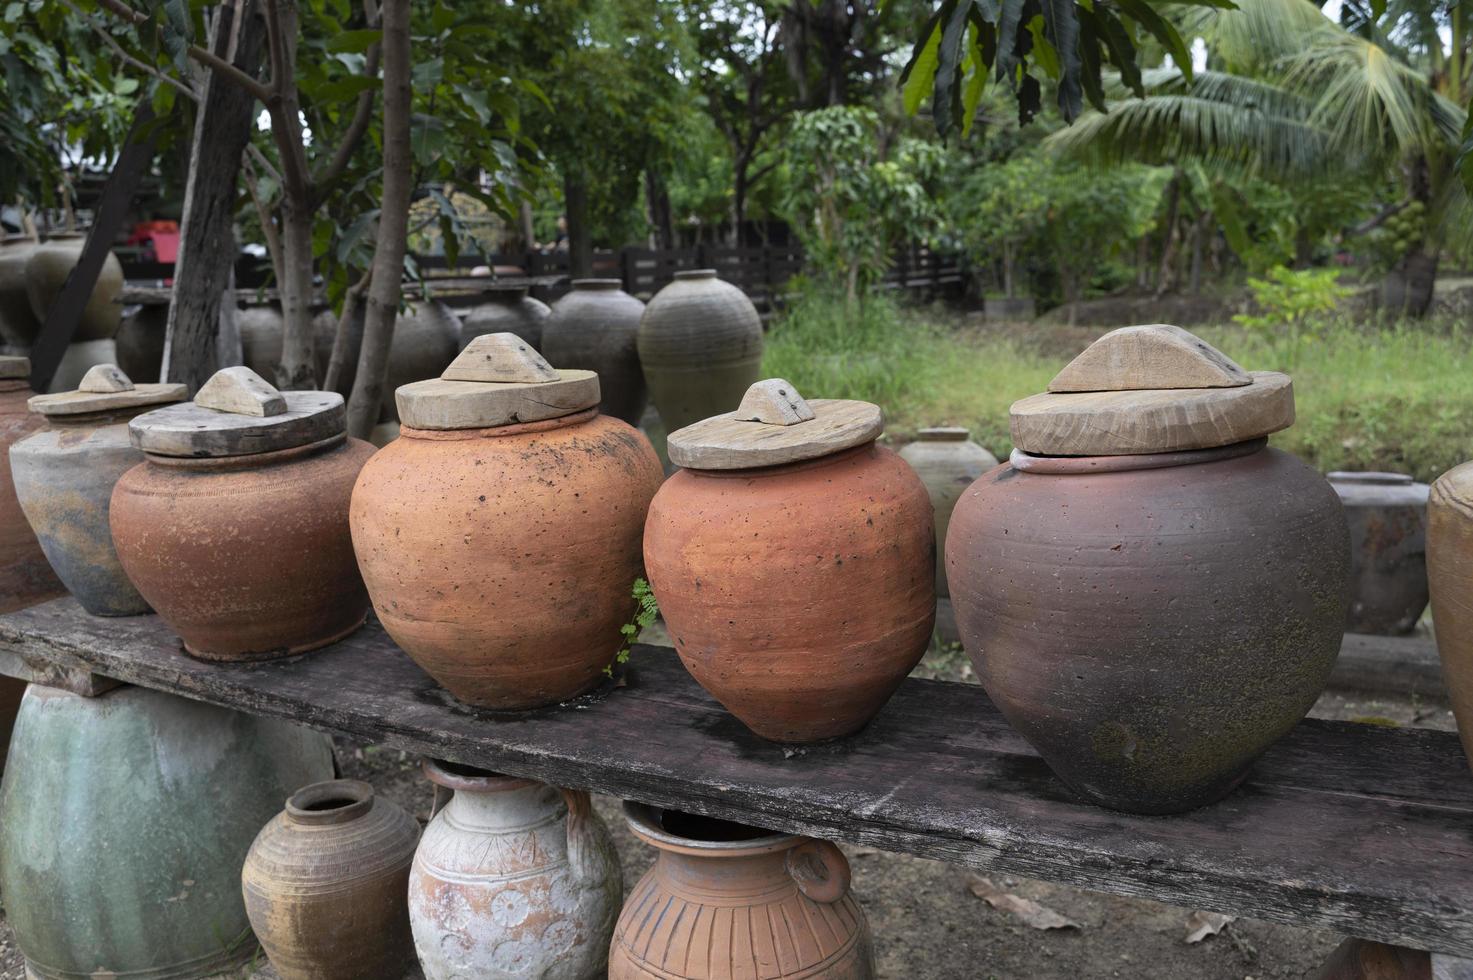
237	413
1151	389
12	368
499	379
775	425
105	388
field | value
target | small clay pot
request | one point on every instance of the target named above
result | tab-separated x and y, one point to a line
47	269
1450	575
512	879
1387	514
799	594
18	325
595	327
700	346
326	881
947	462
26	577
506	311
235	529
725	901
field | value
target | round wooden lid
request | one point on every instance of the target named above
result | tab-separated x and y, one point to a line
13	368
499	379
237	413
1151	389
775	425
105	388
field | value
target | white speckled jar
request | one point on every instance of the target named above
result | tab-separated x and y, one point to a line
513	880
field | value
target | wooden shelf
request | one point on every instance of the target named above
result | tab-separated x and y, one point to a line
1360	829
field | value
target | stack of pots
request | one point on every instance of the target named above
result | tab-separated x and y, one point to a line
1149	594
235	527
785	511
127	818
700	347
1387	514
724	900
506	311
512	879
64	477
595	327
499	534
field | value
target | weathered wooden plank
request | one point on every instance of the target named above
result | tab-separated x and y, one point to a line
1361	829
1405	665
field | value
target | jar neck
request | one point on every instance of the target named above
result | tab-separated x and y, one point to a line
331	803
731	878
519	805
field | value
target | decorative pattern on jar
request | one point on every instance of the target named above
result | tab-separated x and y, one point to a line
726	901
513	879
1150	595
595	327
1387	514
947	462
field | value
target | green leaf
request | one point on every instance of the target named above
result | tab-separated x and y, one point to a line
14	12
1063	35
1089	57
355	233
919	75
983	48
356	40
1140	11
1044	54
1121	47
946	105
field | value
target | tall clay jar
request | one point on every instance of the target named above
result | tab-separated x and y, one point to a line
1450	575
726	901
512	879
25	575
18	325
64	477
47	269
947	462
700	345
235	528
1148	593
595	327
506	311
325	885
499	533
794	562
1387	514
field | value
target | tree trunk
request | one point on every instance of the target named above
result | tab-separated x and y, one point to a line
1407	288
739	167
524	227
662	219
1199	234
393	226
1007	268
1168	234
580	237
297	370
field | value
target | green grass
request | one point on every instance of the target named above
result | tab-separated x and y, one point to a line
1394	398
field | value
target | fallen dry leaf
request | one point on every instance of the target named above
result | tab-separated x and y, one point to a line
1201	924
1034	916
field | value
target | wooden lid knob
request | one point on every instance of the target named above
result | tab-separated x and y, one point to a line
773	425
1149	357
102	378
241	391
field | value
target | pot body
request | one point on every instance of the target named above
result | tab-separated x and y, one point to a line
507	886
127	818
64	477
248	557
426	340
799	596
597	329
1387	514
261	331
508	312
140	343
719	910
700	346
79	358
1151	631
1450	574
25	575
325	887
46	273
18	325
946	467
502	559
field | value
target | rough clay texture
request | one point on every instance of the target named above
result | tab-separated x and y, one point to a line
799	596
1151	632
595	328
1450	574
247	558
1388	552
25	575
946	467
502	559
508	885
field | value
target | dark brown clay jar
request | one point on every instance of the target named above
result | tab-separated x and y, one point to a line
798	595
326	885
1151	623
246	557
595	328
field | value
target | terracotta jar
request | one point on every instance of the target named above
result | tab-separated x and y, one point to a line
18	325
499	533
64	477
1450	575
1148	593
595	328
700	345
325	885
947	462
25	575
140	343
512	879
506	311
46	273
1387	514
794	562
235	529
726	901
127	817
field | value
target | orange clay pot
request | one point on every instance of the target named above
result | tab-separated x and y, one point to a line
502	558
798	595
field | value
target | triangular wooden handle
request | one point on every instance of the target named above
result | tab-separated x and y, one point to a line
1157	356
500	358
775	402
241	391
105	379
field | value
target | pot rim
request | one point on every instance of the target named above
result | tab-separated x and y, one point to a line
593	282
686	274
1370	478
305	806
644	822
1089	465
459	776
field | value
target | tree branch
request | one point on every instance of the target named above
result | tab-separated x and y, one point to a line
286	124
207	58
268	228
362	116
263	163
127	58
